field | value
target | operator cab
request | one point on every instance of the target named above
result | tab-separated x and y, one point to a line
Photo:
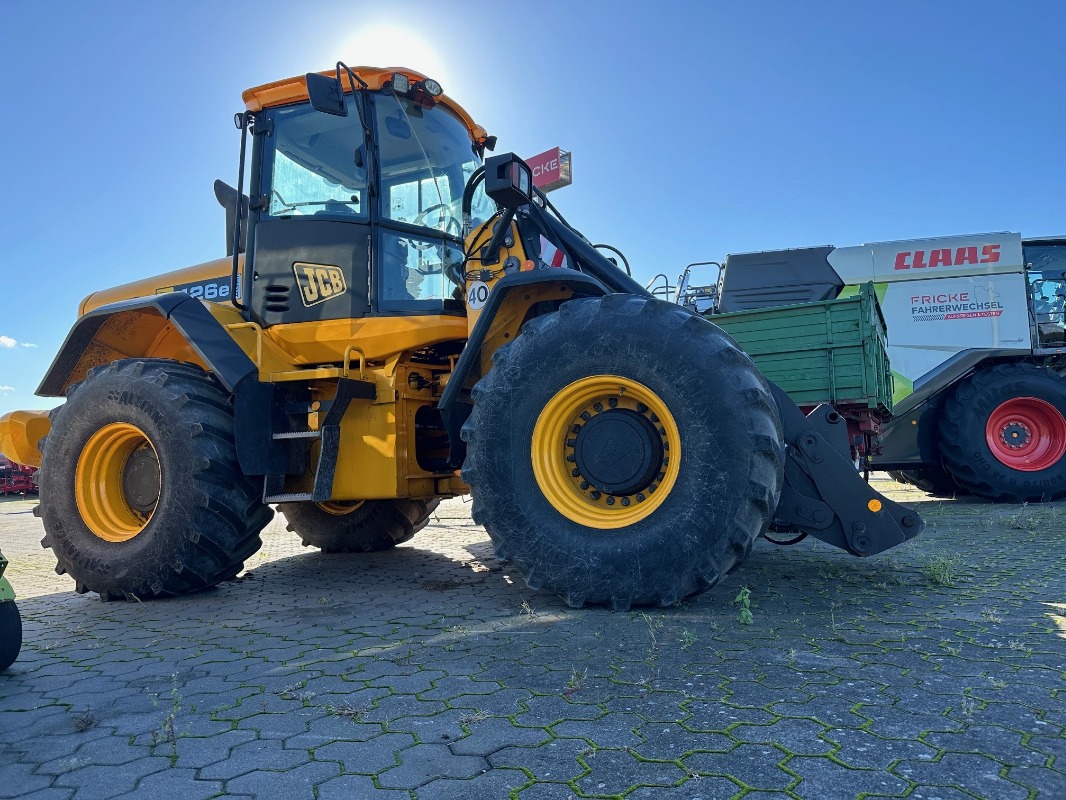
1045	268
358	213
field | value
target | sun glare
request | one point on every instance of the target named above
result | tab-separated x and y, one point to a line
383	45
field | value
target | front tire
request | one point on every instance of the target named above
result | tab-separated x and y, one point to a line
367	527
10	633
141	492
1002	434
623	451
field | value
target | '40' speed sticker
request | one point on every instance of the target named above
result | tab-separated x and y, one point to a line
477	295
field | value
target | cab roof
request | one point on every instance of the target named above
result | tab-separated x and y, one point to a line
294	90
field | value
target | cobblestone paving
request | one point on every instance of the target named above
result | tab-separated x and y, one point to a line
937	670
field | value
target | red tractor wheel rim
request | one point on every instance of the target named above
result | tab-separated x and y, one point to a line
1027	434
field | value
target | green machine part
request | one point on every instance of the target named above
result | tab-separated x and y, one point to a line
902	385
6	592
832	351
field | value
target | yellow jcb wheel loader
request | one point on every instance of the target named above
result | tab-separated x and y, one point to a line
392	327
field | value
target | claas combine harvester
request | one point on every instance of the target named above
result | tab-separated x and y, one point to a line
388	332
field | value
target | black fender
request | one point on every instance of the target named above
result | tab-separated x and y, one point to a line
455	403
211	342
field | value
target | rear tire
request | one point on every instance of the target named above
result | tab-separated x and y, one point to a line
708	440
141	492
368	527
10	633
1002	434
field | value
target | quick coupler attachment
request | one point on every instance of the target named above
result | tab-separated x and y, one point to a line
825	496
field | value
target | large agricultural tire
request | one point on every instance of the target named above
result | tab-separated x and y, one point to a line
1002	434
141	492
673	434
931	480
10	633
367	527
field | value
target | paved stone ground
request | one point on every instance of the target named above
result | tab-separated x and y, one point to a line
935	671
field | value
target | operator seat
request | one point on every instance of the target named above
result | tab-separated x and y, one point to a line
334	207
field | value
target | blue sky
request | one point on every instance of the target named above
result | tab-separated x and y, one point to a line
696	129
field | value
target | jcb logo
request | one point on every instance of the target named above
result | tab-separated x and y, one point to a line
318	282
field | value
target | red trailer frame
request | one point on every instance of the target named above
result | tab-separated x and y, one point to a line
16	478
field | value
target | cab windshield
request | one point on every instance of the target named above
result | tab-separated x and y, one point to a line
425	159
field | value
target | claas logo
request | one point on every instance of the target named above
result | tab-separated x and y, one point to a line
319	282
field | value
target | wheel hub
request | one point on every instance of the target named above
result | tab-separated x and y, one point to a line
140	480
1016	434
619	452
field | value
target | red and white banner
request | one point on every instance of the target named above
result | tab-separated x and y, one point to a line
551	255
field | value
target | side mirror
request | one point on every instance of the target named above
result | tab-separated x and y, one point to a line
326	94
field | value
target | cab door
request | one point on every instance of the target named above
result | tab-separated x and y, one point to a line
309	257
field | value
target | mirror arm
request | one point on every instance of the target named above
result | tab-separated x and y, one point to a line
243	120
360	107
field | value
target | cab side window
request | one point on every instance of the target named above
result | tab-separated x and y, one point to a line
1046	271
318	166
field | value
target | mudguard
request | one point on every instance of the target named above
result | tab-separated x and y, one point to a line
208	339
454	403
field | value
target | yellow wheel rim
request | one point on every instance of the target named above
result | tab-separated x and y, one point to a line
339	508
107	486
606	451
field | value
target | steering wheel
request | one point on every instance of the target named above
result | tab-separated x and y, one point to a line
451	225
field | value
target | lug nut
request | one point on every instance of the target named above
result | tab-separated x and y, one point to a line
584	485
575	472
613	402
642	408
571	458
594	495
625	501
597	407
586	416
610	501
640	497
